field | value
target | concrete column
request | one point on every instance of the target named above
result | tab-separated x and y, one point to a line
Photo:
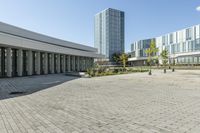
89	62
74	63
58	63
52	63
45	63
38	63
92	62
30	62
68	63
86	64
20	62
78	63
83	64
9	62
64	63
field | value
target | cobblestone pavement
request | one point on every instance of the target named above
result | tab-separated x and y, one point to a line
132	103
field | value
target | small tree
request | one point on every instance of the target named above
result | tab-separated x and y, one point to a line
164	56
156	61
151	52
116	58
124	59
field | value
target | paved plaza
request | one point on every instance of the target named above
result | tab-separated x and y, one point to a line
131	103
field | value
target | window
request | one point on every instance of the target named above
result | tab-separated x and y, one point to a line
178	47
168	49
184	47
173	49
195	60
133	54
132	47
141	53
163	40
190	46
171	38
197	44
139	45
188	34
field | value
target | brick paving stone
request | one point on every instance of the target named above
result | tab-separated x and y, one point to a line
131	103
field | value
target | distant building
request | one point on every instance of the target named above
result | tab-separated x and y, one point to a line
109	32
24	52
183	47
138	54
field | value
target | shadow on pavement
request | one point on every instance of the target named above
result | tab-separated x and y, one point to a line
20	86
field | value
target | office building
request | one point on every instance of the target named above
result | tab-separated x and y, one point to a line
183	47
109	32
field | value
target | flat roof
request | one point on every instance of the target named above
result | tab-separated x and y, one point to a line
107	9
23	33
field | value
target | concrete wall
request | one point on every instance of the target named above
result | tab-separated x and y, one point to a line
23	52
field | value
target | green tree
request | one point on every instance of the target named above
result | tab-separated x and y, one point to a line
116	58
123	59
156	61
151	52
164	56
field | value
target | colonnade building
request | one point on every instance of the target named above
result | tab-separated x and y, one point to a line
23	52
183	47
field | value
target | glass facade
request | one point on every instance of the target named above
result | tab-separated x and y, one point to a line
139	48
109	32
183	45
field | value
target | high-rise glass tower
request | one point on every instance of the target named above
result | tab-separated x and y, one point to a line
109	32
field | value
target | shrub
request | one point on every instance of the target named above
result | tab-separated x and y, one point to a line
104	71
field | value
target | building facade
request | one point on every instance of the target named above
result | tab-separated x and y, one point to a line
23	52
138	54
109	32
183	47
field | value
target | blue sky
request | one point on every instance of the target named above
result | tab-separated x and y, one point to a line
73	20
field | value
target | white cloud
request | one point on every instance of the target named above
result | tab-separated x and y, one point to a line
198	8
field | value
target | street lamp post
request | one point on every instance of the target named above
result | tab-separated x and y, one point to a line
173	63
